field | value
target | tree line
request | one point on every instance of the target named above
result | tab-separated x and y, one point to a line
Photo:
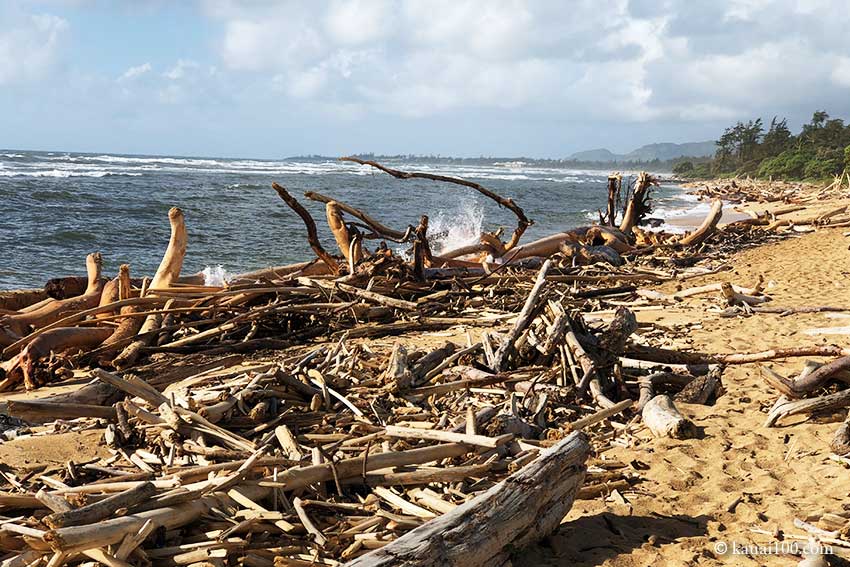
820	151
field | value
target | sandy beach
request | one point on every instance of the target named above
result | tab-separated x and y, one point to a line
739	483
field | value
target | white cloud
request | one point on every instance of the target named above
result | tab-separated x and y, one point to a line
28	45
179	70
355	22
634	60
136	71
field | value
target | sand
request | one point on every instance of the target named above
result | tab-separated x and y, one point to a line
780	473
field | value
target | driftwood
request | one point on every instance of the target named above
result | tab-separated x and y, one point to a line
166	274
312	234
17	299
522	221
840	444
509	516
702	388
373	224
638	206
707	228
20	325
102	509
332	447
664	420
786	407
523	320
801	386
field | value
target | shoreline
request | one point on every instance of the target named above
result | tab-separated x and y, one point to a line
359	361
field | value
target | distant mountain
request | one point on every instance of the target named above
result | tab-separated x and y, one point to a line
595	155
661	151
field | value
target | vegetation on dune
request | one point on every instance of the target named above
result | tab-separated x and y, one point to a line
820	151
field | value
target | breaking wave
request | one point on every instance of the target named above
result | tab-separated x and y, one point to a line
458	227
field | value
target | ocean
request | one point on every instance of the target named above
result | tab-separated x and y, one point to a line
58	207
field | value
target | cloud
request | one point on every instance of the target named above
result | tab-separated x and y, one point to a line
28	45
134	72
179	70
608	59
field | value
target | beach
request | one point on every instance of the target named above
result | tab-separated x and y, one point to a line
687	506
655	500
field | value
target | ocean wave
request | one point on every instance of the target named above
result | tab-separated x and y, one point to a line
508	171
66	173
12	155
701	209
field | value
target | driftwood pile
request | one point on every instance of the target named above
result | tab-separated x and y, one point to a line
330	446
749	190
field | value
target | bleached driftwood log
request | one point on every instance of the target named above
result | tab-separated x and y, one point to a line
733	297
128	326
523	508
807	382
707	228
166	274
786	407
528	312
664	420
14	327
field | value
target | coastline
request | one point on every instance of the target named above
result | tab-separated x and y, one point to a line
671	494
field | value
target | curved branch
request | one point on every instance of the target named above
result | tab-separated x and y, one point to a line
312	233
804	384
707	228
357	213
522	221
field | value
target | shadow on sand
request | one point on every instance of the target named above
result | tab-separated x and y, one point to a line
590	540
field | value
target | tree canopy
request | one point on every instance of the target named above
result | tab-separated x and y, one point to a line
820	151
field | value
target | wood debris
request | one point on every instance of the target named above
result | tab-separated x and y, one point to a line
277	420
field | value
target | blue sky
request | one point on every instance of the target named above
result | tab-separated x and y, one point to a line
256	78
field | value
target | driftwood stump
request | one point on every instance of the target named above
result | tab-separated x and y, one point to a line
664	420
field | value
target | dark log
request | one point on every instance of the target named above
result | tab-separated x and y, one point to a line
522	221
17	299
703	388
312	233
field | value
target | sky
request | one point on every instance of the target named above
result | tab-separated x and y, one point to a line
536	78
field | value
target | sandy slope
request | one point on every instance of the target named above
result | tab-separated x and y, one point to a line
780	473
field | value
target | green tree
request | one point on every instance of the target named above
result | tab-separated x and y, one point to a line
685	168
777	139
